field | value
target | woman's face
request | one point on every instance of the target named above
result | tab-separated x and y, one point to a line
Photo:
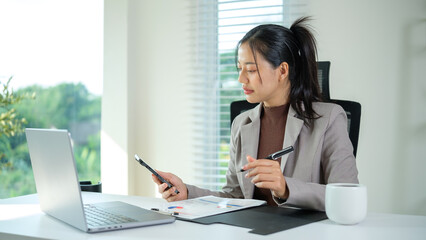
262	83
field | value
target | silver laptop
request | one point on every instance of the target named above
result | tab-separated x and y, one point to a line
59	190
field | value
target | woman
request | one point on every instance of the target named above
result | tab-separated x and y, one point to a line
277	68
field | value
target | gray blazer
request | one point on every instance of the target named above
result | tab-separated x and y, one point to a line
321	155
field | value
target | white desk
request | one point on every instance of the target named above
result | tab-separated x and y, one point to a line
22	216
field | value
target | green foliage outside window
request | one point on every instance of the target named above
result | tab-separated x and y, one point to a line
64	106
10	124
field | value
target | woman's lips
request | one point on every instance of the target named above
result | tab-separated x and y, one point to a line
247	91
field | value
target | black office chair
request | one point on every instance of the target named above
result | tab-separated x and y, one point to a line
241	106
323	79
352	109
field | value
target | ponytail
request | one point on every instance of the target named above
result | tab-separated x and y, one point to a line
297	47
304	86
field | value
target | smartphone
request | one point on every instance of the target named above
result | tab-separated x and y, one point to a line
138	159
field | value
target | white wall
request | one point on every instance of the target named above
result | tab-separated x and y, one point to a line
159	74
145	106
378	54
115	114
377	51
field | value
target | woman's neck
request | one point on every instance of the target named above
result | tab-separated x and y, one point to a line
276	103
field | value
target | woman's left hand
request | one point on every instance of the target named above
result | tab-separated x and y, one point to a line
267	174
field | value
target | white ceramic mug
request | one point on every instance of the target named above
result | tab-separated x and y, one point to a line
346	203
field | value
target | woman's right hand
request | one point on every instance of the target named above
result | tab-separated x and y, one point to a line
177	183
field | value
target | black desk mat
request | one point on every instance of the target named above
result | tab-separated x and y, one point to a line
264	219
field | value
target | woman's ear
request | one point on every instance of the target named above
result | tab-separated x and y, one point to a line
284	71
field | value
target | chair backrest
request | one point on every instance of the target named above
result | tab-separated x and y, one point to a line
238	107
323	79
353	111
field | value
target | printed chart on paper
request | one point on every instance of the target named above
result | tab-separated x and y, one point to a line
210	205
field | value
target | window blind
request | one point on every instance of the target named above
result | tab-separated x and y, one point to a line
218	25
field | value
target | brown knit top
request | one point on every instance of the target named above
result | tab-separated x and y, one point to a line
271	139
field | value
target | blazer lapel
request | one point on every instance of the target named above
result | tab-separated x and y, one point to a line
249	146
292	130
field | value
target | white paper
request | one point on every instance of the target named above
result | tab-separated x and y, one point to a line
209	205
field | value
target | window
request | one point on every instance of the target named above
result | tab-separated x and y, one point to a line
55	50
219	25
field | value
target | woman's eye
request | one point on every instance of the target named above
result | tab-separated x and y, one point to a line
251	71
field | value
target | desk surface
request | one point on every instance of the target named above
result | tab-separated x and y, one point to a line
22	216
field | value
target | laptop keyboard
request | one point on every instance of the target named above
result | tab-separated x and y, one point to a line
99	217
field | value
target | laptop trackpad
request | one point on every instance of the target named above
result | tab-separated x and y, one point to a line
132	211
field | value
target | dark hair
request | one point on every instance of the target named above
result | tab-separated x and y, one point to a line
295	46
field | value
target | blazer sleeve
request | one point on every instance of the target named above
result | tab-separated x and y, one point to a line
337	165
232	187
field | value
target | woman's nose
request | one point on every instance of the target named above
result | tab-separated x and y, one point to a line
242	78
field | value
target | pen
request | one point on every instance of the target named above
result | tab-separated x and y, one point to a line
278	154
166	213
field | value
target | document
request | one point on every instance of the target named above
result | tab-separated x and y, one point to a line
209	205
